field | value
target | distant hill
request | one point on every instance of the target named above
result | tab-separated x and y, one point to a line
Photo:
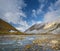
6	28
53	28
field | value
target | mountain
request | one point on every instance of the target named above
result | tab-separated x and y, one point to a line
35	28
6	28
53	27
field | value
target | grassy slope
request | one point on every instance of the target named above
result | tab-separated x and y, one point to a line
6	27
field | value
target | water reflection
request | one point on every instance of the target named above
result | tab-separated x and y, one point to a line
29	43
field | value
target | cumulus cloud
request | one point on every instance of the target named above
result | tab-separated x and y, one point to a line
52	16
54	13
23	26
11	12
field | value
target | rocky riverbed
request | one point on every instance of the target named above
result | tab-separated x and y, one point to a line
30	43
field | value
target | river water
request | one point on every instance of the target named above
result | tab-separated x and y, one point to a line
24	43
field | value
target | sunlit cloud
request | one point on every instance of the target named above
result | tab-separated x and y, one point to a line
11	12
20	13
54	13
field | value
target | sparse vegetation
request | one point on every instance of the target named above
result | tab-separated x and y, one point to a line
6	27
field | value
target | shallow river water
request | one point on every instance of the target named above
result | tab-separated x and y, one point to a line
25	43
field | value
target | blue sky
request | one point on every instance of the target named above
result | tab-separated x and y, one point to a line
24	13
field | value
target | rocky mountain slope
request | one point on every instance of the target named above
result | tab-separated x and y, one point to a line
53	27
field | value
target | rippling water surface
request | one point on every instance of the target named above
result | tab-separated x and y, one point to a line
25	43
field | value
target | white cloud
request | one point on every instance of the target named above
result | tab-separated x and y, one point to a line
55	6
11	11
52	16
54	13
36	22
34	13
38	11
23	26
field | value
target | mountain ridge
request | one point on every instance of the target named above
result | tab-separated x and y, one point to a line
53	27
6	28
